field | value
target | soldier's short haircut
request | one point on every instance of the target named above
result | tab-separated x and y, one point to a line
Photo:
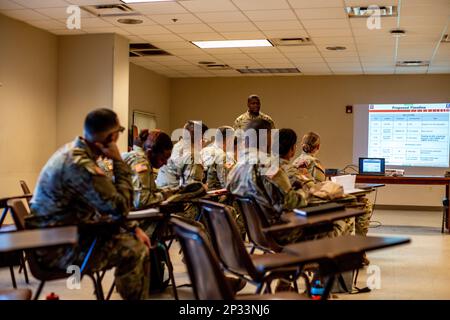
253	96
158	142
191	126
140	139
100	120
286	138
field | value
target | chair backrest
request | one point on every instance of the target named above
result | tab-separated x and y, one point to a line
255	221
24	187
20	211
226	239
208	280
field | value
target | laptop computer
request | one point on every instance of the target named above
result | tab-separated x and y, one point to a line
372	166
348	183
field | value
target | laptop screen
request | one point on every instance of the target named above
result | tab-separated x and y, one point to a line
371	166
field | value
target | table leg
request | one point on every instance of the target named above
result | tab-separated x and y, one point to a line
447	194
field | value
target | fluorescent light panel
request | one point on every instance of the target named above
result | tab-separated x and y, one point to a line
232	44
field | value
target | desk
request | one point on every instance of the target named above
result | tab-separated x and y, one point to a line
294	220
412	180
39	238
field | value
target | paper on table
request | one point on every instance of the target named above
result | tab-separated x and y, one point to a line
347	182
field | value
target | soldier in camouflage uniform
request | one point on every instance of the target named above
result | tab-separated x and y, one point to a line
73	190
308	160
253	113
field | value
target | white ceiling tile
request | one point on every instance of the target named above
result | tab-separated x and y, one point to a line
167	19
25	14
170	38
305	61
344	53
33	4
92	23
334	41
169	45
47	24
202	36
202	57
344	65
93	2
134	39
439	70
266	55
292	49
186	52
323	48
243	35
223	16
411	70
60	13
386	23
330	33
106	30
270	15
190	28
261	4
374	58
332	60
9	5
208	5
279	25
315	4
321	13
260	50
316	73
301	55
146	30
158	8
280	64
426	10
413	21
233	26
325	24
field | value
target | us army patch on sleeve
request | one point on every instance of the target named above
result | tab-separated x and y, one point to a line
140	168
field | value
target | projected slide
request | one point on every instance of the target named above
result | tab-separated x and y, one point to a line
410	134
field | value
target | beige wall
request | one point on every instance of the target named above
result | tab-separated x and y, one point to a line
312	103
150	92
92	73
28	77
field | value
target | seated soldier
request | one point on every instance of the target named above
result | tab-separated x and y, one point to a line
218	158
184	165
308	158
73	190
157	151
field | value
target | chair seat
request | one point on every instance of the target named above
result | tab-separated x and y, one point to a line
8	228
272	261
276	296
15	294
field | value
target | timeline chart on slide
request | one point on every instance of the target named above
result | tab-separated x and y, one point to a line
410	134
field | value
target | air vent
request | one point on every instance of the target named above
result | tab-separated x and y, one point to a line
146	49
445	38
364	12
216	66
279	42
110	10
413	63
268	70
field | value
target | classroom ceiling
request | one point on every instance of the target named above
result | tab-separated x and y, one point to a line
171	25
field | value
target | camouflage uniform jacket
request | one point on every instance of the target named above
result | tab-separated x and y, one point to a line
146	193
296	178
242	121
72	189
217	165
266	183
313	165
180	169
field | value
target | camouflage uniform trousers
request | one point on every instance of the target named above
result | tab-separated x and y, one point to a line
123	251
362	222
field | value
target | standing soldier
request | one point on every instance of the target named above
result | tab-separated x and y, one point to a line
73	190
253	113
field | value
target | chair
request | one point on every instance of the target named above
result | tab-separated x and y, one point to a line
444	215
208	280
259	270
24	187
42	274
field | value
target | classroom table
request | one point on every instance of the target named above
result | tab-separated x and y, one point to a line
413	180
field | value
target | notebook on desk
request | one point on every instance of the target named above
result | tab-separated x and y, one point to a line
347	182
322	208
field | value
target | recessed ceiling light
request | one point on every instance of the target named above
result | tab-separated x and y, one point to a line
129	21
336	48
232	44
140	1
206	62
398	32
412	63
